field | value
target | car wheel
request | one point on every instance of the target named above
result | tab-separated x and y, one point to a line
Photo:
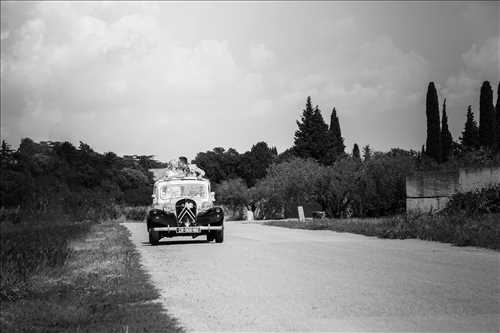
210	237
219	236
154	237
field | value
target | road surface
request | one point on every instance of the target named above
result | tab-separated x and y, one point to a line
277	279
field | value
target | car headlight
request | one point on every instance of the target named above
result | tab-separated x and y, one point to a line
205	206
169	207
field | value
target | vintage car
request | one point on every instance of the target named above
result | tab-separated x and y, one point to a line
183	206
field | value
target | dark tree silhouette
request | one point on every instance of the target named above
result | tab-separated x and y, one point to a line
336	147
433	143
446	138
355	152
367	152
219	164
470	134
254	163
486	116
311	138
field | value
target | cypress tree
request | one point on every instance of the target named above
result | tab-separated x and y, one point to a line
446	138
433	142
367	152
335	142
311	138
486	116
470	134
355	152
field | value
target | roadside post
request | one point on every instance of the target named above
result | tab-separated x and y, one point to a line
249	215
302	217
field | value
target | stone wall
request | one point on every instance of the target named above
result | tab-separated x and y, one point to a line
430	191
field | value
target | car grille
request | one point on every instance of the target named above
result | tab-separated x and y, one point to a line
185	211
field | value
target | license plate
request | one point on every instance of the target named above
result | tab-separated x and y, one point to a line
188	230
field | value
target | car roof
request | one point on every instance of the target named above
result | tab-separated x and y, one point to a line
187	179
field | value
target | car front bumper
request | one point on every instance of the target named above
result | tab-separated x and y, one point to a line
202	228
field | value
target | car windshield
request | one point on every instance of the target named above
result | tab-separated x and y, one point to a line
177	190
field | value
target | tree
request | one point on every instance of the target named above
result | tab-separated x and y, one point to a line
367	152
446	138
254	163
486	116
335	141
311	138
286	155
289	184
234	194
470	134
355	152
6	154
433	142
219	164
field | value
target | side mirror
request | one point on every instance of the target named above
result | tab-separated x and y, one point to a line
212	196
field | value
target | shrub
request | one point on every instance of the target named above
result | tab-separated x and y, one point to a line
136	213
375	187
232	193
482	201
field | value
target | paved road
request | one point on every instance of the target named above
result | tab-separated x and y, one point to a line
276	279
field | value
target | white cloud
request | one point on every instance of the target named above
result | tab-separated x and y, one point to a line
124	78
261	56
480	63
485	60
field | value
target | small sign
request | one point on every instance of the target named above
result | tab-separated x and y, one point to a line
302	217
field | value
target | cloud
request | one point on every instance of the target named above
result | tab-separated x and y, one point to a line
376	88
485	60
126	68
100	78
132	78
261	56
479	63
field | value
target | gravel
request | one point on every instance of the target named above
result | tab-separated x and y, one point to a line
265	278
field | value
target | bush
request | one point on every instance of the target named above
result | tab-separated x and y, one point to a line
374	187
482	201
136	213
234	195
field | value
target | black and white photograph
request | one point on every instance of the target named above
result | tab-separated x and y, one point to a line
249	166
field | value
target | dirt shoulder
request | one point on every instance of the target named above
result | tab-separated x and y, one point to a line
100	288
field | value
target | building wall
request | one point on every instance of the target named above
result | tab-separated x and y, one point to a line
471	180
430	191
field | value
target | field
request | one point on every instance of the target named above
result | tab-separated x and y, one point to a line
76	277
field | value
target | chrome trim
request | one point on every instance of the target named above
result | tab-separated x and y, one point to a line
202	228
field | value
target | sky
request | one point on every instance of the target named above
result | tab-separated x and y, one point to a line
176	78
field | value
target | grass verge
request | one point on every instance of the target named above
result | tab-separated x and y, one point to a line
461	230
99	287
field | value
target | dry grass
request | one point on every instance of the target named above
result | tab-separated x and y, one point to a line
100	288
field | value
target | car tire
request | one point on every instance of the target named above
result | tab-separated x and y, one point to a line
219	236
210	237
154	237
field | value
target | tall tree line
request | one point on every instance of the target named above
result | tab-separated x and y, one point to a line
439	143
